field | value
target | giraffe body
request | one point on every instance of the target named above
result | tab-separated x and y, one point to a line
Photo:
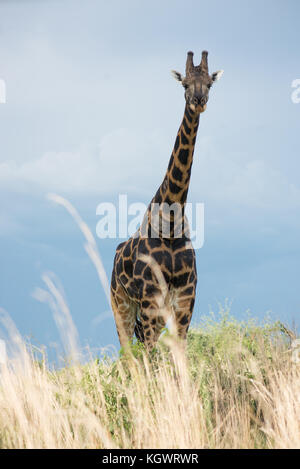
136	293
138	302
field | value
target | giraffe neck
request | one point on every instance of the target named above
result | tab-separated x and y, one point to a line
175	185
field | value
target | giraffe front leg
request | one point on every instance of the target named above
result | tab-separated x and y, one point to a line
124	313
183	310
152	323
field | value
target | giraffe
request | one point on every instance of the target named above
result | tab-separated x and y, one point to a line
135	288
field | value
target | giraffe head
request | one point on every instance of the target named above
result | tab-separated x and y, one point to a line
197	82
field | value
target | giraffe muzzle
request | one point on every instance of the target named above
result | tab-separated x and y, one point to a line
199	101
198	104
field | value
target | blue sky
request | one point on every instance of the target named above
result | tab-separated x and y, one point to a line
92	112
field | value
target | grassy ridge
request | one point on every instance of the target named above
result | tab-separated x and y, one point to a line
235	387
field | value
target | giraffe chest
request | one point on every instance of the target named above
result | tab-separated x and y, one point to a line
138	274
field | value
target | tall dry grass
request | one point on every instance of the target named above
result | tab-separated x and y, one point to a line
236	386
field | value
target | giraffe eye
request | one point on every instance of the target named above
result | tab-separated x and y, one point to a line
209	86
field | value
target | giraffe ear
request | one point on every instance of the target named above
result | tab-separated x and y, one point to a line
177	75
217	75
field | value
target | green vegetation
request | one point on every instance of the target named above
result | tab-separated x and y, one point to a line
235	387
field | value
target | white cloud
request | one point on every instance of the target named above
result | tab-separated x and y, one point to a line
123	161
127	162
242	179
